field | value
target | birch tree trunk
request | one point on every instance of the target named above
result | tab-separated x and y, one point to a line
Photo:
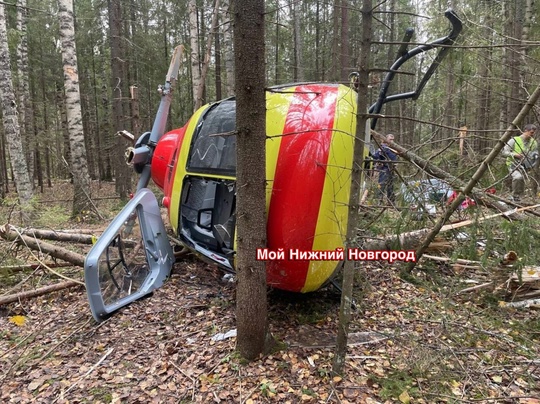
10	120
195	55
228	51
23	93
78	164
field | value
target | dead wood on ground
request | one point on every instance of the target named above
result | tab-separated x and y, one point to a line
9	233
59	236
38	292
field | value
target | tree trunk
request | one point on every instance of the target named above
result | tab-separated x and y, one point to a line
217	45
10	120
298	51
25	108
345	57
334	75
3	168
119	91
195	56
9	233
228	52
135	111
483	143
38	292
206	63
318	46
276	54
356	180
251	299
79	166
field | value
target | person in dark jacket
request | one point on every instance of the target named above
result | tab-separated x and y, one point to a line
385	158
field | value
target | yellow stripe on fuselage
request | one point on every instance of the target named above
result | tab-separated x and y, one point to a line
331	227
277	108
180	172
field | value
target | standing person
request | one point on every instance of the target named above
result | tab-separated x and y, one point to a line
385	158
521	154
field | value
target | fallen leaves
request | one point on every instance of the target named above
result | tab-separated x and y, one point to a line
163	349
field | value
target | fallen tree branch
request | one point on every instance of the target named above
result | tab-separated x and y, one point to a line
523	303
27	267
71	200
412	239
476	287
59	236
38	292
9	233
446	259
491	201
476	176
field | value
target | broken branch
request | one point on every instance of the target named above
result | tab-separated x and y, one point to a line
38	292
477	175
9	233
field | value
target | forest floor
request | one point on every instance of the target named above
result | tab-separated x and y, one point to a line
412	340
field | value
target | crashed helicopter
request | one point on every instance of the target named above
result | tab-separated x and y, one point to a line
308	186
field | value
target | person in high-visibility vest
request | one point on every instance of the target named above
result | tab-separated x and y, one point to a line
521	154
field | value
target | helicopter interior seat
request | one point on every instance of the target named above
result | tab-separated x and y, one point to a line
197	211
208	205
223	219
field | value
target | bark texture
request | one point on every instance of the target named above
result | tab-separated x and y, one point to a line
78	163
228	52
251	300
194	54
356	181
25	109
10	120
119	92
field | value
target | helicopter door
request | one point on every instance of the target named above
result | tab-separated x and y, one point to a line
130	259
207	214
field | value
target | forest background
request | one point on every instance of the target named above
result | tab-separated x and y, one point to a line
123	48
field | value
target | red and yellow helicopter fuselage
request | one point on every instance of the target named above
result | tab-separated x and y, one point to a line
310	133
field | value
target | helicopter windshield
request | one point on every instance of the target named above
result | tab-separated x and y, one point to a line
213	147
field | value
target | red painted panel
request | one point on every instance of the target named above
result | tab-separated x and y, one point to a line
162	165
299	180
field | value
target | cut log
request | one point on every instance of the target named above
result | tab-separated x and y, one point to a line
37	292
9	233
59	236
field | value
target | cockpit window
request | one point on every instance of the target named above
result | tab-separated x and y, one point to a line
213	148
